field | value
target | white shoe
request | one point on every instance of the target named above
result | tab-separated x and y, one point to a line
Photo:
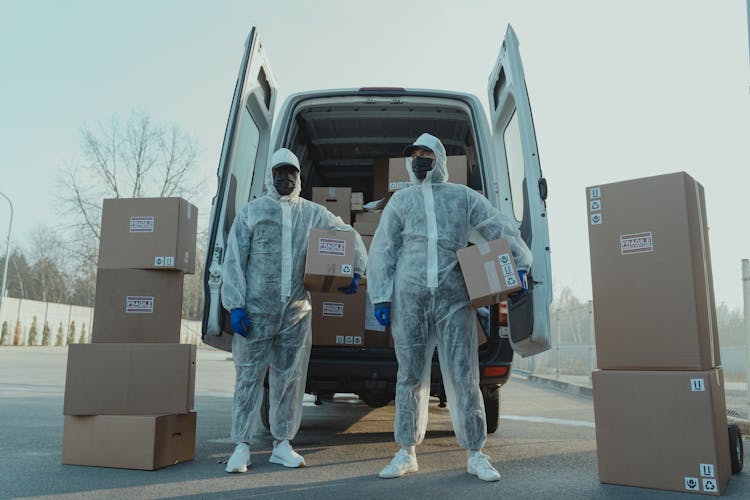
283	454
240	459
402	463
479	465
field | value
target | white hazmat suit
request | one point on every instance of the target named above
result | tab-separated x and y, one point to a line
263	273
413	265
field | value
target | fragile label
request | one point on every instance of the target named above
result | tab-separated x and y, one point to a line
163	261
595	192
141	224
339	339
596	219
697	385
138	304
329	246
505	265
333	309
636	243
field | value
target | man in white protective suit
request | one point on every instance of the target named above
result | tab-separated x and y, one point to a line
414	280
263	289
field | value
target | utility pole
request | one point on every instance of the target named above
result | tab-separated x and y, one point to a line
7	258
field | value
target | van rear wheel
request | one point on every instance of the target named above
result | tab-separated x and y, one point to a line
736	448
491	396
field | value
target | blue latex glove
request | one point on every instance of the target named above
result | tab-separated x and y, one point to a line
240	321
353	286
383	313
524	284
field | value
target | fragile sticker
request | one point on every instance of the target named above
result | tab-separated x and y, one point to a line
596	218
339	339
636	243
139	304
330	246
697	385
595	192
159	261
692	484
141	224
357	340
333	309
169	261
346	269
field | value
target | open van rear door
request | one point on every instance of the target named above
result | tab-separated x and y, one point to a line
517	160
240	175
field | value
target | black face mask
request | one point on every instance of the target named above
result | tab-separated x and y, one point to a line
284	182
421	165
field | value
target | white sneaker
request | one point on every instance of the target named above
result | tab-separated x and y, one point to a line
479	465
283	454
402	463
240	459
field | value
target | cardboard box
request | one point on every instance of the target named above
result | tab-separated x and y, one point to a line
651	275
338	200
145	442
129	379
137	306
380	178
369	217
330	260
338	319
398	176
148	233
358	200
489	271
367	240
662	429
366	228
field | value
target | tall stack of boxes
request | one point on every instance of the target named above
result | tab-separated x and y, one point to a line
129	394
659	388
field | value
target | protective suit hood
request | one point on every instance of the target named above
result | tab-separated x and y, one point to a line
440	171
283	157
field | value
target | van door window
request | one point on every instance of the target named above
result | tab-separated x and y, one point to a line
248	139
514	160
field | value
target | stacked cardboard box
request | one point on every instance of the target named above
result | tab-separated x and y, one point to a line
659	389
129	395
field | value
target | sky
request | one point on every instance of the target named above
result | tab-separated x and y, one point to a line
618	89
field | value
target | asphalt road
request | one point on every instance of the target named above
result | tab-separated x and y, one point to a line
545	447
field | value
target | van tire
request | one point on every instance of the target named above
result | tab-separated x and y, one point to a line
491	396
736	448
265	408
376	399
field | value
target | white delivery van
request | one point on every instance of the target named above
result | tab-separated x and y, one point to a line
338	135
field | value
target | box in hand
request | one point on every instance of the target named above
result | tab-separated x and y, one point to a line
489	271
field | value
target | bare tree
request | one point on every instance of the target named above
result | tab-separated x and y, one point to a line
132	159
49	282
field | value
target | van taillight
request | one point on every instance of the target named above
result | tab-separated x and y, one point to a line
494	371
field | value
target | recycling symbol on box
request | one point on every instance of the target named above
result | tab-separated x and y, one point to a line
346	269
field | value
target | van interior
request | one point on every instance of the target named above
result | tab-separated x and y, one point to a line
337	141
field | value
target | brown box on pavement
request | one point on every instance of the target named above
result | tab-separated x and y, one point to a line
129	379
338	319
338	200
146	442
489	271
330	260
651	275
662	429
132	305
148	233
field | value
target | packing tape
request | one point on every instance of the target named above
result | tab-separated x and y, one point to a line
493	278
327	283
484	248
332	193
